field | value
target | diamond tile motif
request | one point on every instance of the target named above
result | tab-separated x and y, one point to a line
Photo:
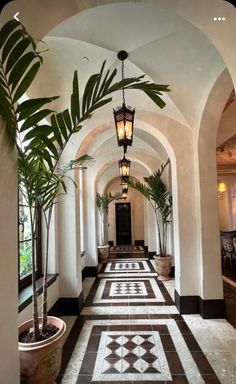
135	288
133	356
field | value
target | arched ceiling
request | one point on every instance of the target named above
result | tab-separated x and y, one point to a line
173	42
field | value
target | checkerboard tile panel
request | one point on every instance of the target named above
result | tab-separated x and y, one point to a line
135	288
128	290
128	266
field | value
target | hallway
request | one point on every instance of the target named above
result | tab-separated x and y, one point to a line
130	331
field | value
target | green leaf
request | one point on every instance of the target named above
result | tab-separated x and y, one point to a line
26	82
7	29
10	43
52	148
28	107
107	82
20	68
5	104
61	125
16	53
67	120
100	104
41	130
56	131
88	91
75	106
35	118
96	89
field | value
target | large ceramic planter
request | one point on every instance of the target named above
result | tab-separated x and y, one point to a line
103	252
40	362
163	267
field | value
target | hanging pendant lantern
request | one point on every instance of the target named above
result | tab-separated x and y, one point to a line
124	186
124	167
124	115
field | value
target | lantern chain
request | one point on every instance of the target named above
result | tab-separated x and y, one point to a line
122	75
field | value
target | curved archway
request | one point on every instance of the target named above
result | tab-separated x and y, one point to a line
208	210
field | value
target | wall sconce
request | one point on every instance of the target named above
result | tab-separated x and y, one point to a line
221	189
124	115
124	167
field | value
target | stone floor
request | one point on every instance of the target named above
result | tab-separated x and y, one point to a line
131	332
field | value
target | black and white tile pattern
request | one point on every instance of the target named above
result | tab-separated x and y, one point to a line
131	356
128	290
130	332
135	288
127	266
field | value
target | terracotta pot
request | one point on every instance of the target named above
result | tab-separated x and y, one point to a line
40	362
163	267
103	252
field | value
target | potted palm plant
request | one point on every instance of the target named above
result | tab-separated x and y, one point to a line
39	146
102	202
156	192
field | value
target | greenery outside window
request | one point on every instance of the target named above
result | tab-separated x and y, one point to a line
25	243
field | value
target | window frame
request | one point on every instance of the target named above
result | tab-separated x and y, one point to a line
27	280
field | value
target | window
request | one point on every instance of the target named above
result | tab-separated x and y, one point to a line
25	243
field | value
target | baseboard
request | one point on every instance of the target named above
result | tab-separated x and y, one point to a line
67	306
89	272
172	273
213	309
187	304
208	309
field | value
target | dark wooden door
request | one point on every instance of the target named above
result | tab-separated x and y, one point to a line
123	224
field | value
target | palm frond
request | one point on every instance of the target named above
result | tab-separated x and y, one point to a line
140	187
103	200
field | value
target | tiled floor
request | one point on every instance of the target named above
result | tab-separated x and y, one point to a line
131	332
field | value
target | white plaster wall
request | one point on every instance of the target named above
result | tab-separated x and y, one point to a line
9	361
208	231
53	295
69	252
53	261
83	262
90	223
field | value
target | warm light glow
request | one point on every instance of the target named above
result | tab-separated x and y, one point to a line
221	186
124	120
221	189
124	195
124	167
124	186
124	171
124	130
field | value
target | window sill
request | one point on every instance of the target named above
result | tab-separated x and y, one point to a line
25	295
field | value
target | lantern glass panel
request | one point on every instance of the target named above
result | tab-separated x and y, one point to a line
124	166
124	118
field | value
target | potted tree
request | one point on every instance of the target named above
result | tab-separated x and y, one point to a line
39	147
102	202
156	192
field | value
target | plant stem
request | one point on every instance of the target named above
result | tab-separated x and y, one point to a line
45	283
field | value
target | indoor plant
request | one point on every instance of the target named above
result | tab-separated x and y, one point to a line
156	192
102	202
40	144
